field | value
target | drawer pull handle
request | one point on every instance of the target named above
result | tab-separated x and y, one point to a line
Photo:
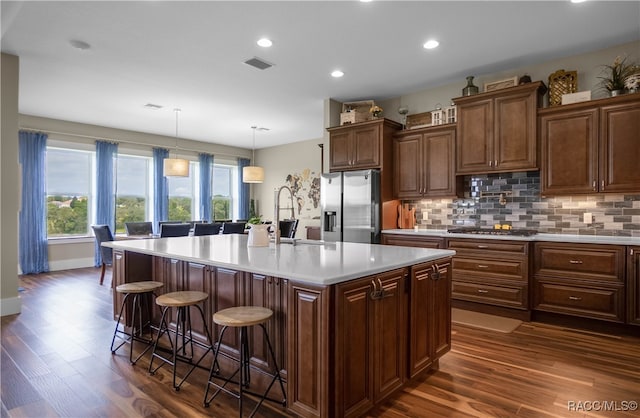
574	298
483	246
575	261
483	266
482	291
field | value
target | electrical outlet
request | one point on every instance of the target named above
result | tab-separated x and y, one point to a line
588	218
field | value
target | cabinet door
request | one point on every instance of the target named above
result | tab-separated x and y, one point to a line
515	132
420	341
569	152
633	286
198	279
438	163
389	335
620	148
340	150
407	167
228	291
474	139
366	147
440	320
354	342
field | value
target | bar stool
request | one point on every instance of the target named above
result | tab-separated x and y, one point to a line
141	292
243	317
183	333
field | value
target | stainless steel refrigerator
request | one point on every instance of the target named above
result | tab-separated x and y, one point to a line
350	205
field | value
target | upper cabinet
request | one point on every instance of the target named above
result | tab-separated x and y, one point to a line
591	147
362	145
497	130
424	162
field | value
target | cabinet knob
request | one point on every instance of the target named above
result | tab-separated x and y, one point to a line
602	188
595	186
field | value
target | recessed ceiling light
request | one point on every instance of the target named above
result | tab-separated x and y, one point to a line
337	74
431	44
365	1
265	43
79	44
578	1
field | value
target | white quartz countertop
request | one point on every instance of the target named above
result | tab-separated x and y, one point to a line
312	262
581	239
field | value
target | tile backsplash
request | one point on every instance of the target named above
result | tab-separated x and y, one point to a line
514	199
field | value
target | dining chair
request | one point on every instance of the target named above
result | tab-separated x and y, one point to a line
103	234
138	228
174	230
233	227
288	228
207	229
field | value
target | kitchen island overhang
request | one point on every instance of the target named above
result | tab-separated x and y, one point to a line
352	322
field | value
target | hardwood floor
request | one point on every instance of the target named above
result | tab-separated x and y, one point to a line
56	362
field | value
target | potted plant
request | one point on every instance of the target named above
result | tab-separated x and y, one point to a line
616	75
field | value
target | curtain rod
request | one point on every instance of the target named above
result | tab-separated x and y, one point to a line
124	141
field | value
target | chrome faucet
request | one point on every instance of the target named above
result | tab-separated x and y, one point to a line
276	215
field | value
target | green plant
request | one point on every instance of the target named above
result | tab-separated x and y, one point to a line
254	220
616	74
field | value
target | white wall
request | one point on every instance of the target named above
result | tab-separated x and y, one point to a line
301	159
9	198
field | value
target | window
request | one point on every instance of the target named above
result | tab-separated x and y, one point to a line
183	196
224	178
69	185
133	185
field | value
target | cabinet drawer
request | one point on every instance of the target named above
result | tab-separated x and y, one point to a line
509	296
412	241
590	262
464	267
509	247
600	303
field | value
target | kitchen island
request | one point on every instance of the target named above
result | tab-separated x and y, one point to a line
352	322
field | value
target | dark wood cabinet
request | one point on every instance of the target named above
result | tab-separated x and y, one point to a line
424	162
497	130
430	315
491	272
585	280
421	241
633	285
361	146
370	341
591	147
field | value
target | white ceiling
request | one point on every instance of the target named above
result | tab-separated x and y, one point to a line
190	55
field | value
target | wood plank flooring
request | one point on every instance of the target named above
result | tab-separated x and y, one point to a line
56	362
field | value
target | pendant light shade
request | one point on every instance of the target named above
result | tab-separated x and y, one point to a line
252	173
176	167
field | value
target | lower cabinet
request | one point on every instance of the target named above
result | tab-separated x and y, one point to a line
430	315
370	341
633	285
491	272
585	280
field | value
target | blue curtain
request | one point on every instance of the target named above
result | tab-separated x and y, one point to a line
34	256
160	186
244	195
206	164
106	153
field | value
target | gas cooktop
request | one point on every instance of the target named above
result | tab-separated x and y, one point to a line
488	231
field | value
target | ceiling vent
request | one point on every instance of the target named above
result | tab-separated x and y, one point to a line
258	63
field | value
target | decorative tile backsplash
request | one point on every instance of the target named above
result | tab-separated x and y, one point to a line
514	199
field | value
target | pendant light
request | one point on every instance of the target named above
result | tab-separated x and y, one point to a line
253	173
176	167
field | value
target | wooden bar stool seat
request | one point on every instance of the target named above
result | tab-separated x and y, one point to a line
182	346
141	292
243	317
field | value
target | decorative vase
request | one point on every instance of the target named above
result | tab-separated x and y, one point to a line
258	236
470	89
618	92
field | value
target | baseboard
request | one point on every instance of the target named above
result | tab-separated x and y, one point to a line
10	306
73	263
